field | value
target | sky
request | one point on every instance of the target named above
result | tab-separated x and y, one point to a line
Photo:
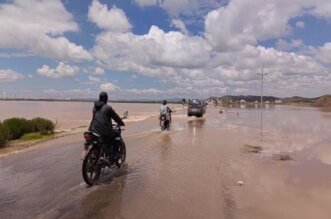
158	49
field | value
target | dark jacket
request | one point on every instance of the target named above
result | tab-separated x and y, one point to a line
102	121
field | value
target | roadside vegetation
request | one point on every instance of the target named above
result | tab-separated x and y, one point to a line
20	128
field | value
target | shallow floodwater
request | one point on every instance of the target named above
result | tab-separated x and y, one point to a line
189	172
68	115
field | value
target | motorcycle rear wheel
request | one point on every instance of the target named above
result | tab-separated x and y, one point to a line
91	169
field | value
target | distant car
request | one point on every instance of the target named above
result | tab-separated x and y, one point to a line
196	108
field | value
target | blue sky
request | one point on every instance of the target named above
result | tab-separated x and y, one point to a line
163	49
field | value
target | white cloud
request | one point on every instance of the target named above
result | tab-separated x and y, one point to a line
99	71
144	3
110	87
244	22
7	75
179	25
62	70
188	9
113	20
37	27
226	55
143	92
283	45
94	79
15	54
189	63
132	52
300	24
323	53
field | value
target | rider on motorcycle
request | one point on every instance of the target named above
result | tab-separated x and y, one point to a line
165	111
102	123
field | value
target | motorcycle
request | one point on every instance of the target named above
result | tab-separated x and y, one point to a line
94	156
164	122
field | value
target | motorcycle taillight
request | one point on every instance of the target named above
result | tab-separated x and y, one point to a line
88	137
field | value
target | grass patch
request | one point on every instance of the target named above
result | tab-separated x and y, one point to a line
252	148
282	157
35	136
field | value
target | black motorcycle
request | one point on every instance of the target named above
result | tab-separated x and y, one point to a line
94	156
164	123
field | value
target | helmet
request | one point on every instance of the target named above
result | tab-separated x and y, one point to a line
103	97
164	102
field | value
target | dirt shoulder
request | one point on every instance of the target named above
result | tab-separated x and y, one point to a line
17	146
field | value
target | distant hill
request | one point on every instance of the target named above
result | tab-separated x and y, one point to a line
323	101
315	101
297	99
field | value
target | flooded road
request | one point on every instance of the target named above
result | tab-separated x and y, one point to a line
189	172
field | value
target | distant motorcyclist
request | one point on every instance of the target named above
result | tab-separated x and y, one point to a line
102	122
165	111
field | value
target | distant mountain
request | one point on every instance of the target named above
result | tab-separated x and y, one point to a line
250	98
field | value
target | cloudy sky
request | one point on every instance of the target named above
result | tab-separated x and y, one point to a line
164	48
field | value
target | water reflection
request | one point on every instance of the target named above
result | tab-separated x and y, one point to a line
166	146
105	202
195	127
196	123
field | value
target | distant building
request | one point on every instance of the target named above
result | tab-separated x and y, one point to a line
278	101
242	101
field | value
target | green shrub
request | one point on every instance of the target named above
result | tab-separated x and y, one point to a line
29	127
4	135
44	126
16	127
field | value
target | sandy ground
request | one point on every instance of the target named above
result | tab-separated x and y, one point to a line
190	172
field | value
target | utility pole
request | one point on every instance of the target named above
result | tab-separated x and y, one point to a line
229	96
262	75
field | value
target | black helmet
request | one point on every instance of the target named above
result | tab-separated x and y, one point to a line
103	97
164	102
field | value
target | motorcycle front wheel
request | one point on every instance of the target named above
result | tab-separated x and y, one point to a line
121	153
91	169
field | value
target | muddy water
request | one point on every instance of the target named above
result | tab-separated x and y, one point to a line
192	171
68	115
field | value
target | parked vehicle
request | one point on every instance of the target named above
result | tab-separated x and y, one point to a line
94	157
196	108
